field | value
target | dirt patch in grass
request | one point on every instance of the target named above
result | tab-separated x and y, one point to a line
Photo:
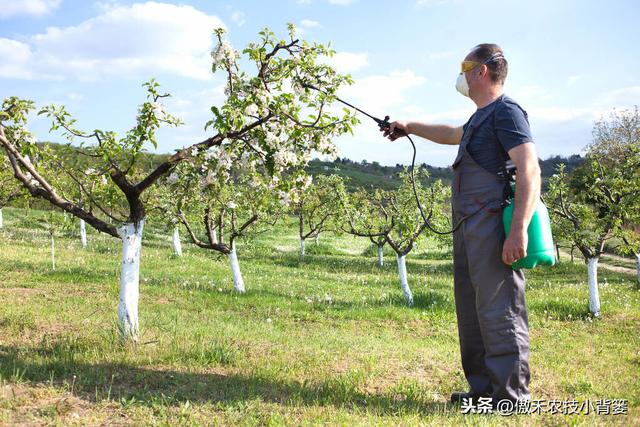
37	405
23	291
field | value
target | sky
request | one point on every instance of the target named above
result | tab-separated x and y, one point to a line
570	62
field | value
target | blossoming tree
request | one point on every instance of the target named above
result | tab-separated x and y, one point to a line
317	205
267	115
394	215
225	205
599	201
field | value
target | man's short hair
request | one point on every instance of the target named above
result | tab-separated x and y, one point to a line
498	67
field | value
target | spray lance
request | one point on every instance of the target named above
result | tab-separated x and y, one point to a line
540	248
384	124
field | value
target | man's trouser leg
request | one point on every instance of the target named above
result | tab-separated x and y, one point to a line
499	306
471	344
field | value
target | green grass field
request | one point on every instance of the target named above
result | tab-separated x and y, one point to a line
322	340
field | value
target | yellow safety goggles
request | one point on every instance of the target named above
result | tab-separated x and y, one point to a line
470	65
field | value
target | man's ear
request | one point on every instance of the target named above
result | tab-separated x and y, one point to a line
483	71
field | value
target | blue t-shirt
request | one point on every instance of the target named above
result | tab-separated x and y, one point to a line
508	125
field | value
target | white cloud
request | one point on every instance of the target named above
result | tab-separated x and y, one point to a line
17	57
381	92
572	80
141	39
379	95
27	7
308	23
74	96
341	2
238	18
348	62
621	98
193	107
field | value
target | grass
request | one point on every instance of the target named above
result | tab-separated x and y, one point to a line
322	340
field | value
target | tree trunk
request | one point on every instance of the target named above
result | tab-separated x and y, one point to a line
214	237
558	253
301	247
380	256
238	282
177	246
402	272
1	221
594	296
131	234
572	248
317	239
53	254
83	233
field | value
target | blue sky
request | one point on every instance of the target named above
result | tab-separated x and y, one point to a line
570	62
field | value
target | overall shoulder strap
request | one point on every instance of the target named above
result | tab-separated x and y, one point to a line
503	173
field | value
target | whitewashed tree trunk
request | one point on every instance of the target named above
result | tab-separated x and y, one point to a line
638	268
594	296
302	247
402	272
1	221
177	246
380	256
238	281
83	233
131	235
53	254
214	236
317	239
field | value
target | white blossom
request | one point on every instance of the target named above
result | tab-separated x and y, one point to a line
271	139
304	181
157	107
298	90
210	153
284	197
274	182
172	178
207	180
284	158
251	110
224	53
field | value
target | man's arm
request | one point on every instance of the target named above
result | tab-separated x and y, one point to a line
441	134
527	194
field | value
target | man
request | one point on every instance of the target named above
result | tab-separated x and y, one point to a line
490	295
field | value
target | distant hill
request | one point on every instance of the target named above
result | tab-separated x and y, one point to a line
365	174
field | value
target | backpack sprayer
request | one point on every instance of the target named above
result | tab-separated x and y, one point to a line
540	247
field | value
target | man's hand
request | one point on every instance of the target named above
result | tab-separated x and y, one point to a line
396	130
515	246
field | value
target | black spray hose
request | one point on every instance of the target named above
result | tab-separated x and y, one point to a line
385	125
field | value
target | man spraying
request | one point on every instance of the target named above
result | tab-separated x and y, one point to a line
490	295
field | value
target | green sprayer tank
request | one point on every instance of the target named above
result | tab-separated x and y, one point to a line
540	249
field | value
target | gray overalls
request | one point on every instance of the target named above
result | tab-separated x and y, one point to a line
490	303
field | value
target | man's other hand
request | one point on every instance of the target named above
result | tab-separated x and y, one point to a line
515	247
